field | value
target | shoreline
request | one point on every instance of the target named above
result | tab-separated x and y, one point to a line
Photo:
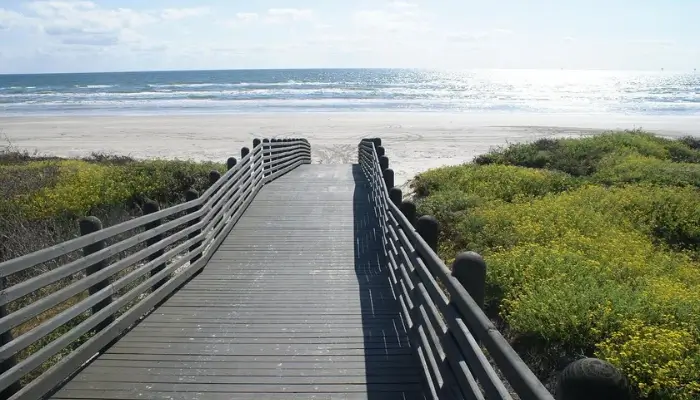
414	141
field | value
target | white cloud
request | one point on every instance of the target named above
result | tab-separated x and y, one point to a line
272	16
247	16
10	19
278	15
182	13
390	21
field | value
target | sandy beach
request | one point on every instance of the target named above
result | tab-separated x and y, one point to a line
415	142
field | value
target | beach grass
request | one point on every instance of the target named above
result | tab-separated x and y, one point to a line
42	199
592	246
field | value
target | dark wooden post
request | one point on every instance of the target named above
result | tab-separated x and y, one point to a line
384	162
266	153
408	208
256	142
11	361
388	178
591	378
231	162
395	196
244	152
380	151
470	270
87	226
151	207
213	177
428	228
191	195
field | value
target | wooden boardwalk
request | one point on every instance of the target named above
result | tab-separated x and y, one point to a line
295	303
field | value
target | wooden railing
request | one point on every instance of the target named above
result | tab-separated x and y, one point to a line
114	276
462	353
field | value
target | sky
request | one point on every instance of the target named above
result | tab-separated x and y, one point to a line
138	35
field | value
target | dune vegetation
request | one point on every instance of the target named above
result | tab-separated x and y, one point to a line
42	199
592	246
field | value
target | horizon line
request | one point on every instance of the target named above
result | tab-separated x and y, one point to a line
348	68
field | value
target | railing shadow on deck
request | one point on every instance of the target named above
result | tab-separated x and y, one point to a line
390	366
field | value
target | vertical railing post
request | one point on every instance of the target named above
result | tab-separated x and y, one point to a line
308	151
9	362
388	177
266	153
231	162
256	154
408	208
470	270
591	378
191	195
214	176
87	226
244	152
380	151
384	162
150	207
395	196
429	229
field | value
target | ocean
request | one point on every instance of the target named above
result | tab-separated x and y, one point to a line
352	90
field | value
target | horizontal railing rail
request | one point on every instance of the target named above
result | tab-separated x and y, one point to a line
462	353
109	278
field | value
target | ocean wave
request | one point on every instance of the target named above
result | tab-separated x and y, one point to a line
95	86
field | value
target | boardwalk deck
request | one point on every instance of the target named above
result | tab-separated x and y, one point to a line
294	304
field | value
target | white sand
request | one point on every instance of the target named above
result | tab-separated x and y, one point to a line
414	142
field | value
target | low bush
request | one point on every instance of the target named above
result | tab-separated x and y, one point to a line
594	250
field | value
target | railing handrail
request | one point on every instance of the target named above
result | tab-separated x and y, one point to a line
516	372
207	221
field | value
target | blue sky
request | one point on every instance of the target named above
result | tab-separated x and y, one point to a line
111	35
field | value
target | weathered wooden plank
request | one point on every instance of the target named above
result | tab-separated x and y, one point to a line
96	380
141	373
287	395
146	387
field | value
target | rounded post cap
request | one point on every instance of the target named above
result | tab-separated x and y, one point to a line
383	162
592	378
191	194
89	225
214	176
395	195
150	206
468	258
266	140
256	142
408	208
231	162
428	228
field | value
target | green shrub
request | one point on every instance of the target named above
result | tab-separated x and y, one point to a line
601	263
492	182
633	168
582	156
79	186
